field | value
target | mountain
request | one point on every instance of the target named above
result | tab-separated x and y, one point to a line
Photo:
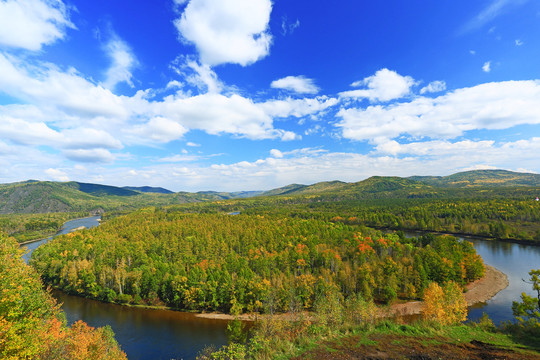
216	195
41	197
102	190
49	196
285	190
46	196
481	178
148	189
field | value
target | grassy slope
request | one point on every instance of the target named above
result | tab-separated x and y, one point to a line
393	341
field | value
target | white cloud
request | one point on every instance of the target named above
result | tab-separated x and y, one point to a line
297	107
199	75
276	153
30	24
489	13
288	27
519	42
159	129
217	114
90	155
70	102
86	138
48	86
385	85
25	132
57	175
490	106
434	148
486	67
123	61
433	87
189	143
298	84
234	31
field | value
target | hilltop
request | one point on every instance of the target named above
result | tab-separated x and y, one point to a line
481	178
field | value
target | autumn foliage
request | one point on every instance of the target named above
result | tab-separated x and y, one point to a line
248	262
445	305
31	324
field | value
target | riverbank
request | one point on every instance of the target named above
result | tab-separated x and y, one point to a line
461	235
45	237
476	292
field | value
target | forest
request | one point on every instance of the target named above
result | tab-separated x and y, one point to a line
247	262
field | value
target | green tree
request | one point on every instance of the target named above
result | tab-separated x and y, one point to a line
527	312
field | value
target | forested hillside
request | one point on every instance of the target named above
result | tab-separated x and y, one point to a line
31	324
482	178
246	262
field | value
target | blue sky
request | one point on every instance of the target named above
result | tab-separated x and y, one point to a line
255	94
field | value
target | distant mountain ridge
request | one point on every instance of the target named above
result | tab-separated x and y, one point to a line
34	196
148	189
481	178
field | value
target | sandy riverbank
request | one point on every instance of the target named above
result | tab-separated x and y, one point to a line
478	291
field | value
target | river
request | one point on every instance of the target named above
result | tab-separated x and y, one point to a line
144	334
164	334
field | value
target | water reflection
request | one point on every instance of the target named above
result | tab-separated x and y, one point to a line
515	260
147	333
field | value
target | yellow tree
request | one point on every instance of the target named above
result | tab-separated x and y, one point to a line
445	305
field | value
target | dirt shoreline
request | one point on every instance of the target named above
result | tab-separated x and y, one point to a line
478	291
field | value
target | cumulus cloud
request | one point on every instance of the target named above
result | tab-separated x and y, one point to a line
70	102
499	105
48	86
276	153
433	87
298	84
385	85
25	132
160	129
234	31
30	24
217	114
486	67
57	175
122	62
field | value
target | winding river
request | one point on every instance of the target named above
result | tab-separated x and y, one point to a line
164	334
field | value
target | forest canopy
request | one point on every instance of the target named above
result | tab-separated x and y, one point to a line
247	262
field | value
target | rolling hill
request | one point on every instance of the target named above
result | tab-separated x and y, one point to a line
481	178
46	196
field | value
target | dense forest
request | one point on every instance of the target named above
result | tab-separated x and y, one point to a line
31	324
247	262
